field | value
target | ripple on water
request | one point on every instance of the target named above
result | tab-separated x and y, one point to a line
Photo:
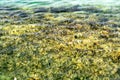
56	3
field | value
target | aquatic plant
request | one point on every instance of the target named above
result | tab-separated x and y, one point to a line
62	46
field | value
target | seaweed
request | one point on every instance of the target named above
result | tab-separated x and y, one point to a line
60	46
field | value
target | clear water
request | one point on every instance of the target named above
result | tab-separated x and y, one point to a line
21	8
56	3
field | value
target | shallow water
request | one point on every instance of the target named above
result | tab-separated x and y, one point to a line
48	3
12	11
59	39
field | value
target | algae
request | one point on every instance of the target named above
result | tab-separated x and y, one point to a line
60	46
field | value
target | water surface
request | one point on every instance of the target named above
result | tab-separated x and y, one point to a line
55	3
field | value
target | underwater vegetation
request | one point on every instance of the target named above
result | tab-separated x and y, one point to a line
59	46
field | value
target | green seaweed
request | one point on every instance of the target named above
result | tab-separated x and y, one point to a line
61	46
